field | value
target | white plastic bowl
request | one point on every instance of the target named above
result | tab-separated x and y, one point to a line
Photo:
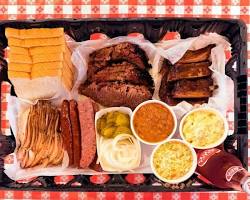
148	102
218	142
187	175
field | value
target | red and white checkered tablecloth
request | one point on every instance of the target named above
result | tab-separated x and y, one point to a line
43	9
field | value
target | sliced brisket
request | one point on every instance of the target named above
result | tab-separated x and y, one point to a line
123	72
131	53
121	52
116	94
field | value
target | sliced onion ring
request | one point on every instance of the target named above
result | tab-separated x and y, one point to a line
123	153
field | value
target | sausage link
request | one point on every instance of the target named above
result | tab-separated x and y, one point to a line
76	132
66	130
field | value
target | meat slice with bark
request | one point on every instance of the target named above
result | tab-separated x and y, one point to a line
125	51
189	71
123	72
132	53
199	55
116	94
165	92
86	111
196	88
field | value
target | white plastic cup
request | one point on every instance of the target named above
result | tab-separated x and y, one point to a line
187	175
148	102
216	143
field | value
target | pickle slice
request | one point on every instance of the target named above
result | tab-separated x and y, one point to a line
122	120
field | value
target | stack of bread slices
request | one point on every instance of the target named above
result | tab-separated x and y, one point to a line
39	52
39	63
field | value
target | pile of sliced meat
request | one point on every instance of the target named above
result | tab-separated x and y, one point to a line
189	79
118	76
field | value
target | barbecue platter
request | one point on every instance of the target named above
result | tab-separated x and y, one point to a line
105	122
